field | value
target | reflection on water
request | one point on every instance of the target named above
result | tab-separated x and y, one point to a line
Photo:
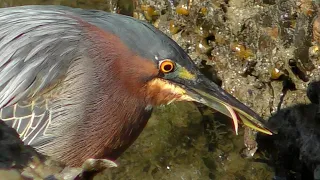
178	142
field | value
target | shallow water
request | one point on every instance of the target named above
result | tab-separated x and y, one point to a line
179	142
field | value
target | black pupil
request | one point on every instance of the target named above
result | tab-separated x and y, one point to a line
167	67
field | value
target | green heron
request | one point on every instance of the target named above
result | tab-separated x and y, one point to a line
79	84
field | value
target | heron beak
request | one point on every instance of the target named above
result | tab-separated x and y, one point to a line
204	91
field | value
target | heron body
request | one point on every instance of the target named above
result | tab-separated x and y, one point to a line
79	84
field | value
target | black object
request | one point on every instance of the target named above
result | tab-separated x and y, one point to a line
295	150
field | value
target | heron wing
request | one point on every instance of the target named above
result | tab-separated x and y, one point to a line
28	119
36	49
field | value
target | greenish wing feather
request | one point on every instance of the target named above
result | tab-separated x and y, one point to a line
37	47
30	119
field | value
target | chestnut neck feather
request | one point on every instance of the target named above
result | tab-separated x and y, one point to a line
122	85
115	106
107	90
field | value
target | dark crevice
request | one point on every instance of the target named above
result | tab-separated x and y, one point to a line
210	73
287	85
297	71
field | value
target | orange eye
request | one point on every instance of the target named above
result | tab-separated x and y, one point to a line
167	66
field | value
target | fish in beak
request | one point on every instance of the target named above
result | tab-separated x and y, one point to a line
200	89
210	94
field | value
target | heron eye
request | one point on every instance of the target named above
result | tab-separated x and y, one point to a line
166	66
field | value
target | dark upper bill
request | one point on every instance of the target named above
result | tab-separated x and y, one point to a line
208	93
